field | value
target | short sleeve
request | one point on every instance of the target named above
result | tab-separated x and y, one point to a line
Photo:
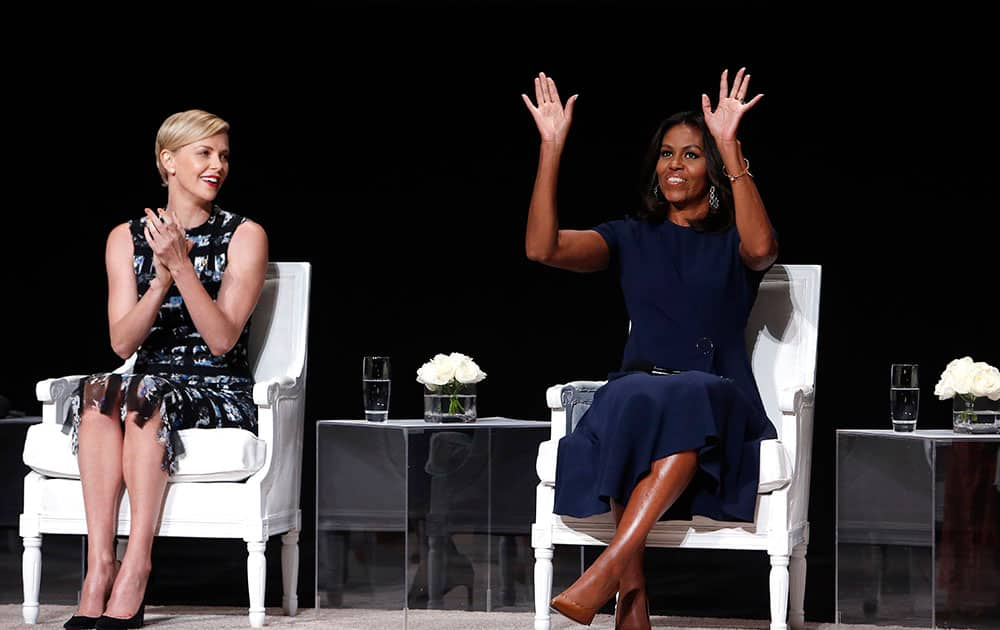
610	231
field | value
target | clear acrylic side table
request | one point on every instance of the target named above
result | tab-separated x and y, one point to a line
411	514
918	529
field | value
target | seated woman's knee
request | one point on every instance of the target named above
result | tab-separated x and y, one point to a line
135	419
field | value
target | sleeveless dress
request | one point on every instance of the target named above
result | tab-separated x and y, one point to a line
174	371
688	295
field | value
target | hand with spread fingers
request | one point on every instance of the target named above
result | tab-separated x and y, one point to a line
723	122
552	118
698	241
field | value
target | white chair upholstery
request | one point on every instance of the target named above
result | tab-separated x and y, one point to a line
256	479
781	339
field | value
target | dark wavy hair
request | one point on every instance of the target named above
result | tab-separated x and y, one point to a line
654	207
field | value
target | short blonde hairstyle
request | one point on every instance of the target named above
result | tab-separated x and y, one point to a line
183	128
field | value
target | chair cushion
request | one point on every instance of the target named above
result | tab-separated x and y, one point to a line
209	454
775	465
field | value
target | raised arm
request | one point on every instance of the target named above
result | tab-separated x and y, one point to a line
575	250
758	245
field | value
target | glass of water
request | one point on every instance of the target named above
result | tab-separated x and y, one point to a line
904	396
375	386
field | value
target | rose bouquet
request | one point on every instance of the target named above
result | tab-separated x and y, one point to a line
966	380
454	376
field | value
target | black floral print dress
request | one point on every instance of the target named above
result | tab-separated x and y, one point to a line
174	371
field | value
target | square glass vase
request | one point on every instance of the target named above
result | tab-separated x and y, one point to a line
975	415
450	403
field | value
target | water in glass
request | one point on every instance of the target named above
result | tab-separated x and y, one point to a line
375	388
904	396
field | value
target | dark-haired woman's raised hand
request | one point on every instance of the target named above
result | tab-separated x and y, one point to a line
724	121
552	118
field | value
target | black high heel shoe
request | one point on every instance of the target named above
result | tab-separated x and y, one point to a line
83	622
135	621
80	622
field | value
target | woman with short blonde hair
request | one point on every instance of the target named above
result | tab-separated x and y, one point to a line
182	283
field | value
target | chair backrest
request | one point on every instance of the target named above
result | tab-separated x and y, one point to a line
781	337
277	345
781	333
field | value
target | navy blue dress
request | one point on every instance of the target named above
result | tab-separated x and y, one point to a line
688	296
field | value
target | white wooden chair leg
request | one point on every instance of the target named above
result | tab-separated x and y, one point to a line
290	572
543	587
779	592
256	576
31	577
797	588
121	546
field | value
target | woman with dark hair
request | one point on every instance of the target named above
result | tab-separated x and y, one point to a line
677	431
655	207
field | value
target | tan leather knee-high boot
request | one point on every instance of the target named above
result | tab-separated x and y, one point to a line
667	479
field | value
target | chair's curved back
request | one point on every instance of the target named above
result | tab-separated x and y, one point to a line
277	350
781	335
277	343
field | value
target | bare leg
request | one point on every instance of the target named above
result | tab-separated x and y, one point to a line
667	479
632	608
142	459
99	458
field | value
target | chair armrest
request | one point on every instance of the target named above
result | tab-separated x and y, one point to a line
573	398
786	397
53	394
56	390
266	393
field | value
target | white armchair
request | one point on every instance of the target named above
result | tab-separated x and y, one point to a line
781	338
256	479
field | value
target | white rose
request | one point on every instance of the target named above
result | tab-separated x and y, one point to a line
449	368
959	374
458	357
468	372
944	390
436	372
427	375
985	381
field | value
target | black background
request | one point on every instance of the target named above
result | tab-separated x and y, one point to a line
387	144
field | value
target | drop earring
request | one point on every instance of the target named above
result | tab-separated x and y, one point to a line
713	198
657	193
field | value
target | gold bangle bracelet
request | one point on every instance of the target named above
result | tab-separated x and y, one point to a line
746	171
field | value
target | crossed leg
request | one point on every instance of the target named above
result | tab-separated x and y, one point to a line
667	479
632	607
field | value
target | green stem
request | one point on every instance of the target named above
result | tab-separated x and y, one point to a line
968	413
